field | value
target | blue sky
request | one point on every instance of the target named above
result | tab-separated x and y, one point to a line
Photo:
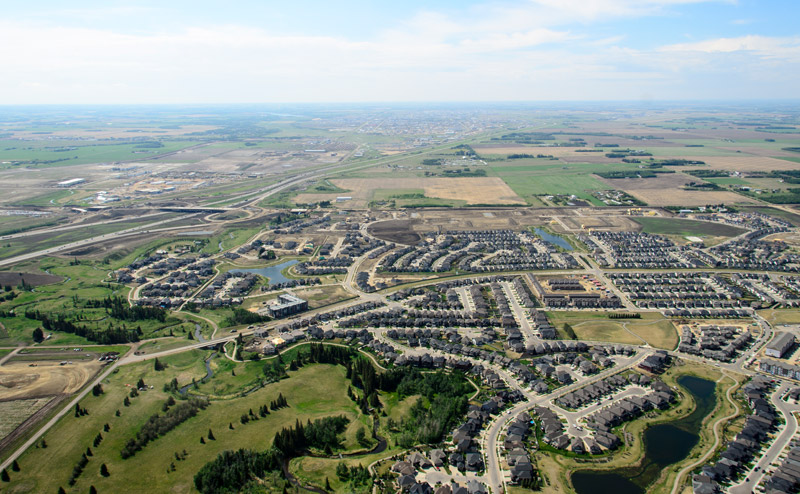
205	51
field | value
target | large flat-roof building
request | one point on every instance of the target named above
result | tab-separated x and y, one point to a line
287	305
779	345
71	182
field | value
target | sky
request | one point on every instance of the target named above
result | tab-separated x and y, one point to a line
267	51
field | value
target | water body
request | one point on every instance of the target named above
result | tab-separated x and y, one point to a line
272	273
209	374
664	444
553	239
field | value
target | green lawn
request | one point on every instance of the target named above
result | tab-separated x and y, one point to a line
683	227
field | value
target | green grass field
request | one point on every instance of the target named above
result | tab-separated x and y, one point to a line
677	226
651	328
79	153
314	391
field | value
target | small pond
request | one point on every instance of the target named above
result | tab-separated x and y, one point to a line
272	273
553	239
664	445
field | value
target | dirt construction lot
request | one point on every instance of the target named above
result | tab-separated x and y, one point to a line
18	380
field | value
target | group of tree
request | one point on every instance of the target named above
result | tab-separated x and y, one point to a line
109	336
625	315
232	470
119	308
321	434
241	316
358	475
279	403
158	425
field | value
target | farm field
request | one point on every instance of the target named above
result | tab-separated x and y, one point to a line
470	190
15	412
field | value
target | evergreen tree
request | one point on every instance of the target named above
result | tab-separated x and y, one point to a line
15	466
211	435
38	335
61	490
4	476
92	490
327	484
104	470
89	452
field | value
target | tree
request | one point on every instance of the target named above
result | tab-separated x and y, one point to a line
211	435
38	335
140	384
126	402
158	365
104	470
97	389
361	436
202	440
61	490
4	476
15	466
341	471
89	451
43	444
92	490
327	484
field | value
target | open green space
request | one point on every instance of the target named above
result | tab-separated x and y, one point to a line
684	227
314	391
44	153
651	328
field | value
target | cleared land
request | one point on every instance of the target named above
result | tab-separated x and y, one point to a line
471	190
19	380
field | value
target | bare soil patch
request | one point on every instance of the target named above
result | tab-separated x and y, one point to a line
397	231
21	380
14	278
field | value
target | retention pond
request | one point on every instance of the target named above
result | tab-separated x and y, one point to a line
664	445
272	273
553	239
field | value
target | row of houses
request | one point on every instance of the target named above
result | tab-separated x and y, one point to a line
517	456
592	393
745	446
714	342
786	478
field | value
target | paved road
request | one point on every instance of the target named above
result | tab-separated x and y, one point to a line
679	482
780	442
495	475
50	423
100	238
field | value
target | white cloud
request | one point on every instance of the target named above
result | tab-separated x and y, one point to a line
533	51
743	43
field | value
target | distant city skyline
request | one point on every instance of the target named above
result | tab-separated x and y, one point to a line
249	51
